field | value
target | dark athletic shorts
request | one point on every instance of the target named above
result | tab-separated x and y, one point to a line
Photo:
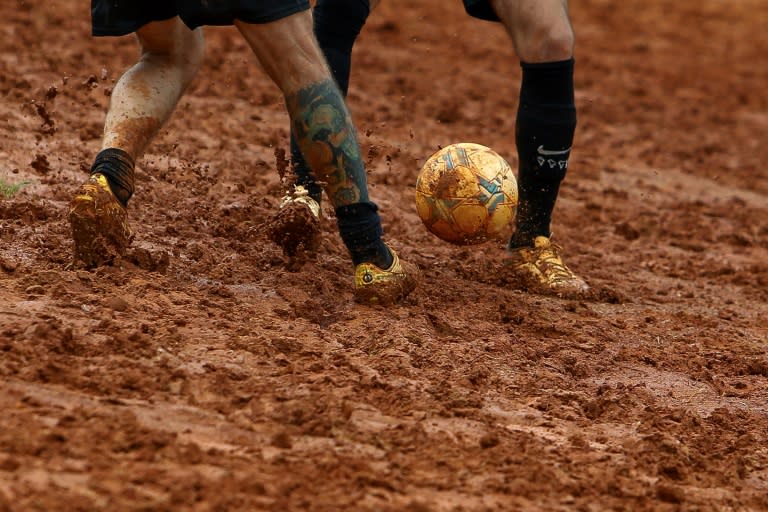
480	9
121	17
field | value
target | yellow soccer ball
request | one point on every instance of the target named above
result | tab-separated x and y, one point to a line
466	194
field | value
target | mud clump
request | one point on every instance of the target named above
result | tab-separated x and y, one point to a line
296	229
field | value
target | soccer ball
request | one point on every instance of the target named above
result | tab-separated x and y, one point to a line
466	194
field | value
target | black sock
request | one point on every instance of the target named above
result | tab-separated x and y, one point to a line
361	231
337	25
117	166
546	122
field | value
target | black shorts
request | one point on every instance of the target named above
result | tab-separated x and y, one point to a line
121	17
480	9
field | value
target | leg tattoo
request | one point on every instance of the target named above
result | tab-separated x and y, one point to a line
323	129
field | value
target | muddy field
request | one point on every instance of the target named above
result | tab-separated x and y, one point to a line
207	372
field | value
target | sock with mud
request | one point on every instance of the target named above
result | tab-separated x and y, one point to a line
360	229
117	166
546	122
337	25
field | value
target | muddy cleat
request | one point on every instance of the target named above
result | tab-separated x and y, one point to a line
541	268
376	286
296	226
99	223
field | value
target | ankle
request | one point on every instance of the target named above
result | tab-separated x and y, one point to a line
381	257
117	167
360	229
526	238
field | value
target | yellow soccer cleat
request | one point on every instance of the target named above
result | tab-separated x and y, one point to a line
99	223
296	226
542	269
374	285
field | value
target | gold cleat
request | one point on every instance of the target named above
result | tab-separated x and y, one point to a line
542	269
301	196
296	226
374	285
99	223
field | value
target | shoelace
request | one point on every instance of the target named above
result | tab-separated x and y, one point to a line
550	263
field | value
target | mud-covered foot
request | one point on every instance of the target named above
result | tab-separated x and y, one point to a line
374	285
99	223
296	226
541	269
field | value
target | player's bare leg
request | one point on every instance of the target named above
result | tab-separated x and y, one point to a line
289	53
543	39
147	93
337	24
141	102
540	30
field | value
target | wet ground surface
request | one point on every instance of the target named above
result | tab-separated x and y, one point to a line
208	372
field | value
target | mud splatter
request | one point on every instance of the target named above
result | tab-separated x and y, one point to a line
219	375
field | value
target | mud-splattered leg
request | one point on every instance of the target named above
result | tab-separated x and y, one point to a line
141	102
325	133
288	51
323	128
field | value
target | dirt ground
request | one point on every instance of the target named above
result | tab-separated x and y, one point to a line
208	372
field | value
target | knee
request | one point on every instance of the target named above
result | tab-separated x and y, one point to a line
191	58
182	50
187	53
547	43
